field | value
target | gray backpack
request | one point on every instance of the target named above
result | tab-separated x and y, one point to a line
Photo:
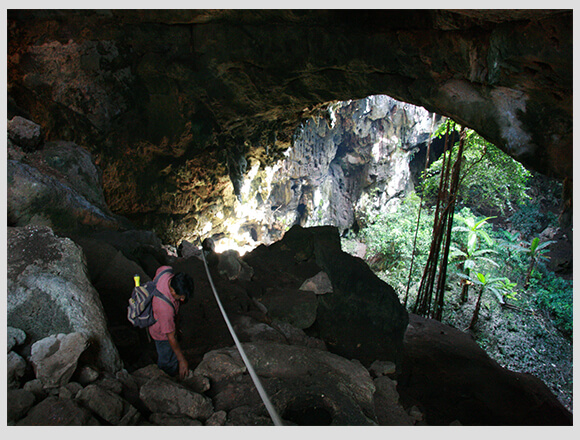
140	309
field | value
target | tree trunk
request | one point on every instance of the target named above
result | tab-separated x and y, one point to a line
464	290
529	274
476	311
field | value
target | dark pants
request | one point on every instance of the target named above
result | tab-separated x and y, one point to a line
166	359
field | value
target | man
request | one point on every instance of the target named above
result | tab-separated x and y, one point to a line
177	288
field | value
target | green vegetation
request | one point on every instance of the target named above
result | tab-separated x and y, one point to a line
491	180
390	238
513	293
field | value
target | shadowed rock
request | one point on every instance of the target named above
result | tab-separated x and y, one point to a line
49	292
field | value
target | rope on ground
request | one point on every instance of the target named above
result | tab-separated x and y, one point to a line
261	391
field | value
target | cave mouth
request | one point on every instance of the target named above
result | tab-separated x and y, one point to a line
309	412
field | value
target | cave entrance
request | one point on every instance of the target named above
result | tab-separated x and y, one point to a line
310	412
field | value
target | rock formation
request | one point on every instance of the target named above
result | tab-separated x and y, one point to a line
176	105
49	293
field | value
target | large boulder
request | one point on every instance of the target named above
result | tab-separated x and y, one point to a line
49	292
306	386
55	358
294	306
108	405
452	379
362	317
35	198
57	184
163	395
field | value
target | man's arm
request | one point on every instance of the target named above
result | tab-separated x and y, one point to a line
183	365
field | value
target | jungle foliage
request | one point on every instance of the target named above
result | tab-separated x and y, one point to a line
500	264
491	180
498	286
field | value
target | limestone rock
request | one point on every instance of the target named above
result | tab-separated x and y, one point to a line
249	329
362	318
145	374
16	368
110	382
49	292
162	395
53	411
69	390
188	250
127	380
451	378
296	307
87	374
15	337
382	368
218	418
37	198
25	133
96	88
55	358
232	267
319	284
107	405
35	387
74	167
302	380
195	382
387	406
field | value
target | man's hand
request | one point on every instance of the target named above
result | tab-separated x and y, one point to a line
183	364
183	368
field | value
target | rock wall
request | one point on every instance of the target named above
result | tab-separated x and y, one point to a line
353	158
55	184
359	160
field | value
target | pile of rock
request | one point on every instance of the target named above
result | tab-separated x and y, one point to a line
54	388
308	386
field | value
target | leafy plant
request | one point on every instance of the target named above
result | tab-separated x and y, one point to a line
500	287
530	221
470	256
475	230
555	296
536	251
468	261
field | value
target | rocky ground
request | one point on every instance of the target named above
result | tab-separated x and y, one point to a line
525	342
315	375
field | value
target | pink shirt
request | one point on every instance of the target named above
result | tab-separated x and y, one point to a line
162	311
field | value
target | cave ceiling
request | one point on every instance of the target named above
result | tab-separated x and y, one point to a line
175	101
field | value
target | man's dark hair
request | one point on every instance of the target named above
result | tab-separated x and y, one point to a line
183	285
